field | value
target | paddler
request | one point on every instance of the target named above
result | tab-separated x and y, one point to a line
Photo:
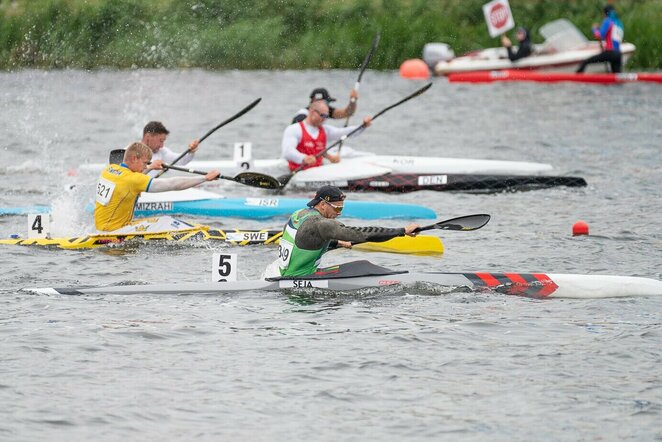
307	138
154	136
335	113
311	232
120	185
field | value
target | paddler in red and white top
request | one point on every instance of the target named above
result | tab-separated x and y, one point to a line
302	141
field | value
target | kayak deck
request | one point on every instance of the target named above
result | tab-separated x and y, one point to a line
363	275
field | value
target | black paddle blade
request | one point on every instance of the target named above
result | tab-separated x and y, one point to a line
255	179
116	156
284	179
464	223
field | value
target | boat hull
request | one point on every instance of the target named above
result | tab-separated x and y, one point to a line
534	285
419	245
401	183
370	165
553	77
197	202
496	59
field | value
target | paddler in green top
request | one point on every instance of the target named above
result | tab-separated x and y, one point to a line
310	232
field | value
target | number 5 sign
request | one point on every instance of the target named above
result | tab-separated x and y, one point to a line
224	267
498	17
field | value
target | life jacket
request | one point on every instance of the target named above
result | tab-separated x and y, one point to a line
292	260
310	146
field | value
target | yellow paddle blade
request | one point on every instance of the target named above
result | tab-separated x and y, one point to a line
417	245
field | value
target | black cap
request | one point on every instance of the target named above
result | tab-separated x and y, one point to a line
321	94
607	9
328	194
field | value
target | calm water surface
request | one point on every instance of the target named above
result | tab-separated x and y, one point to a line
381	365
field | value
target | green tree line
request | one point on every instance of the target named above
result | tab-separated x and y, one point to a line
280	34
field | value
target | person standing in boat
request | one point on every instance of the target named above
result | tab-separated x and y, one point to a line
524	46
311	232
335	113
154	136
120	185
610	34
302	141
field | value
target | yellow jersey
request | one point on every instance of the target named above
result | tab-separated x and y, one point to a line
116	194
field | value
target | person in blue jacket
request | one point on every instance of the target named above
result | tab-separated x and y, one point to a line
610	34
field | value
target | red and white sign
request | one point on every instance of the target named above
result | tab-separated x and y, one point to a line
498	17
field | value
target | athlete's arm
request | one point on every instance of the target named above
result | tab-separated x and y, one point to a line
317	231
179	183
291	138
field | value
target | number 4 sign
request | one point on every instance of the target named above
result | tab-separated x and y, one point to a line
498	17
224	267
39	225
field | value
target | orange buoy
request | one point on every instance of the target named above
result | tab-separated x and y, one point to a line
579	228
414	69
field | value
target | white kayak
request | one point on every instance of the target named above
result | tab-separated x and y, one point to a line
363	274
366	166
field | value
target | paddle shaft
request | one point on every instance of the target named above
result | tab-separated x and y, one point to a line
366	60
253	179
229	120
287	179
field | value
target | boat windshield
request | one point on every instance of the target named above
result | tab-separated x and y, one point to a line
562	35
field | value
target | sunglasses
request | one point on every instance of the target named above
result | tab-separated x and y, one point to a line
338	209
325	116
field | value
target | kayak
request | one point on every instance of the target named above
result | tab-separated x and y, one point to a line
198	202
564	48
169	230
370	164
202	203
554	77
363	274
391	183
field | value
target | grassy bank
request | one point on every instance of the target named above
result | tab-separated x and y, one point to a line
279	34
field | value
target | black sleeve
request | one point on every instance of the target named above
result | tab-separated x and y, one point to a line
315	232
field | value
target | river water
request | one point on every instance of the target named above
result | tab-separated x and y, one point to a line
384	365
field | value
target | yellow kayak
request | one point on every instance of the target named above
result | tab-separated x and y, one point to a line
142	230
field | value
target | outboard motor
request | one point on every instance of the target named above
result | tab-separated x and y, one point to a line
433	53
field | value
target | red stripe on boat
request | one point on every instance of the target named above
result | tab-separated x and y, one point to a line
520	284
548	286
488	279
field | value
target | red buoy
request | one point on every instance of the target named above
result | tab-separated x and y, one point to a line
579	228
414	69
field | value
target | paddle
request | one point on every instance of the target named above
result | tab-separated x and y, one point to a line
252	179
463	223
375	43
285	179
229	120
116	156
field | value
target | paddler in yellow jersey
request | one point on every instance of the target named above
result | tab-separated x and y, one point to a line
120	186
310	232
